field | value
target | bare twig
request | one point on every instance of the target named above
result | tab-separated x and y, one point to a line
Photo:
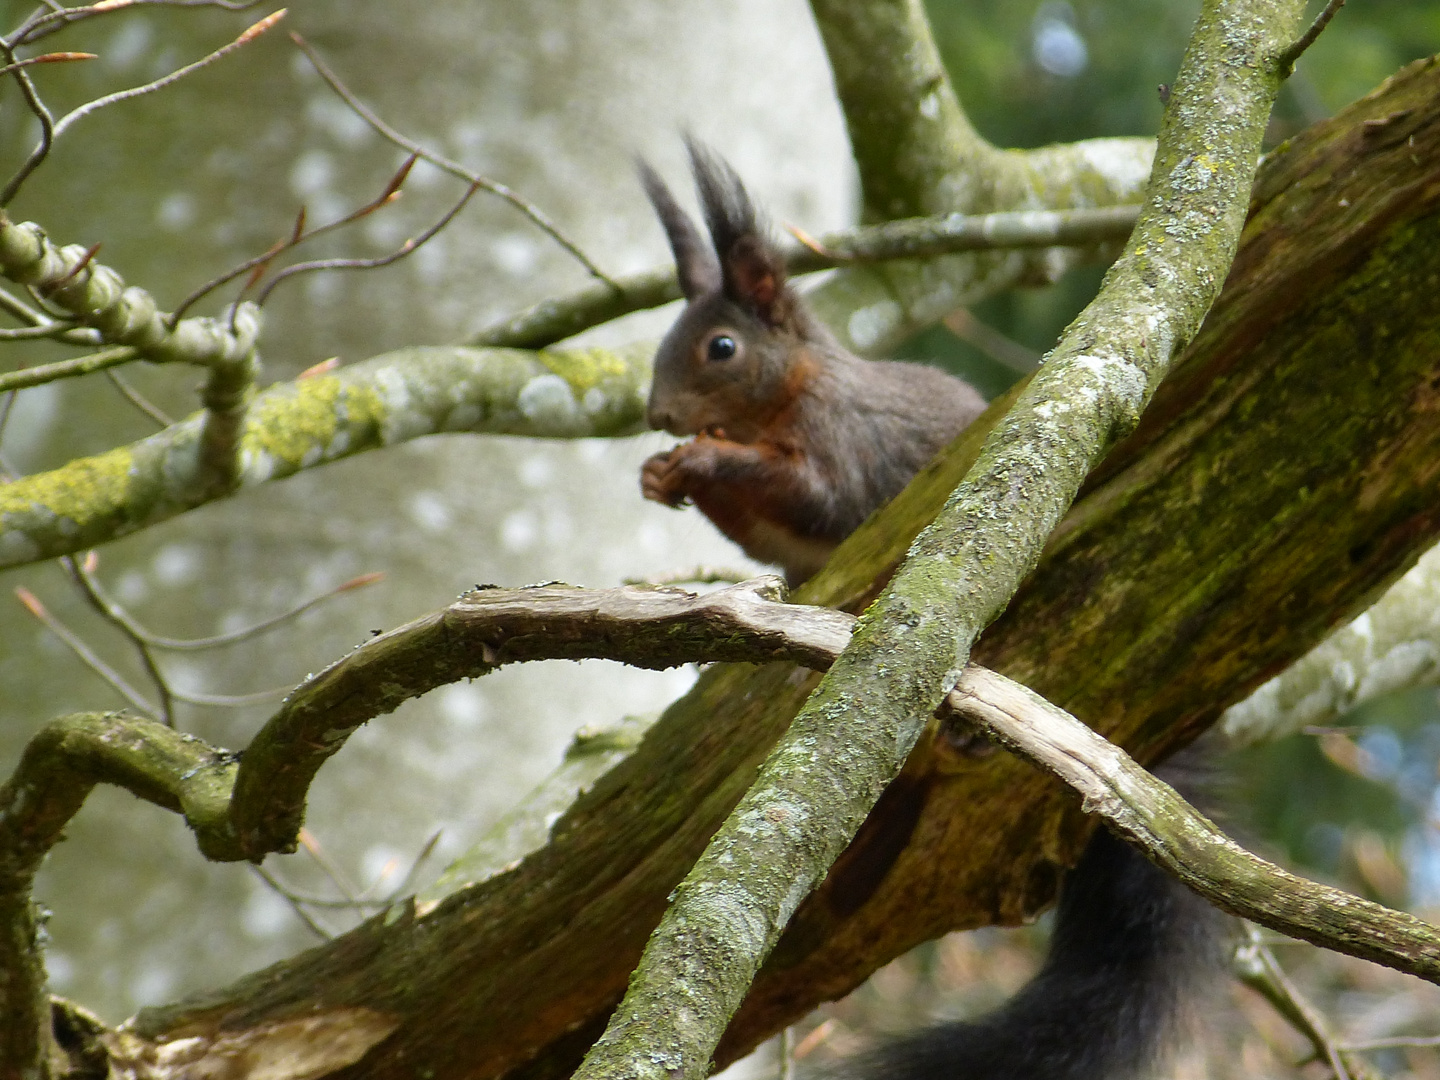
250	34
229	701
1259	970
298	235
1293	53
43	24
537	216
47	129
68	369
1176	837
81	573
332	871
991	342
297	904
198	644
86	655
914	238
139	400
405	249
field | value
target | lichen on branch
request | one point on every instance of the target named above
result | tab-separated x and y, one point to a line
385	400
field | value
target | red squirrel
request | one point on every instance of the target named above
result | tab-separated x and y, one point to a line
796	442
796	439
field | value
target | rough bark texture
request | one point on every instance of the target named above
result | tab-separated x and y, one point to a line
1282	476
855	732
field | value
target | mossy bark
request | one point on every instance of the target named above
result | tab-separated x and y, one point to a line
1283	475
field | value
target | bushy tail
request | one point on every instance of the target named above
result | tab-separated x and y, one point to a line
1131	946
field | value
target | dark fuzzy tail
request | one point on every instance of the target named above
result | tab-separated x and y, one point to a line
1131	947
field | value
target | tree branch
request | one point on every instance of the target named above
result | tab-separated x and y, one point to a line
484	630
385	400
647	626
1394	645
60	765
918	154
1153	817
914	238
854	733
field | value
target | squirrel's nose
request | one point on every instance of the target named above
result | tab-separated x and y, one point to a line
659	419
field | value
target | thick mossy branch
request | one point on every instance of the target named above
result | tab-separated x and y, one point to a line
59	767
853	734
382	401
646	627
1149	813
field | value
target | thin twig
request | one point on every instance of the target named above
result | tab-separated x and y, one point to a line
406	882
1289	56
529	209
296	904
332	871
47	129
298	236
405	249
21	310
43	25
230	701
1397	1042
785	1050
68	369
80	574
84	652
139	400
250	34
1260	971
991	342
159	641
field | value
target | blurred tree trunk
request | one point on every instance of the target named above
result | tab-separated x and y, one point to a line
1284	475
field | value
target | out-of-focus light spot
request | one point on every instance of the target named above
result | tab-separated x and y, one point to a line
1056	44
430	511
519	531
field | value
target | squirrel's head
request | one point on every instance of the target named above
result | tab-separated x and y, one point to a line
728	361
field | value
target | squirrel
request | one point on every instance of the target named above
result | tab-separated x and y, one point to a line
796	441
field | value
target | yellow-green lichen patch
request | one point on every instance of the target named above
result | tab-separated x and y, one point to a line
299	423
585	368
79	492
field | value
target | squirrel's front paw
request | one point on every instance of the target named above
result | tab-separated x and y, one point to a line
660	481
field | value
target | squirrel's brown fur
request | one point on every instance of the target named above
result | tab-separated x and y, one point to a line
796	439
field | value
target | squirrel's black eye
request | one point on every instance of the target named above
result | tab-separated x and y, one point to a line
722	347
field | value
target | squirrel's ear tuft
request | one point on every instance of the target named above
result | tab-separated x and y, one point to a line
694	263
751	267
